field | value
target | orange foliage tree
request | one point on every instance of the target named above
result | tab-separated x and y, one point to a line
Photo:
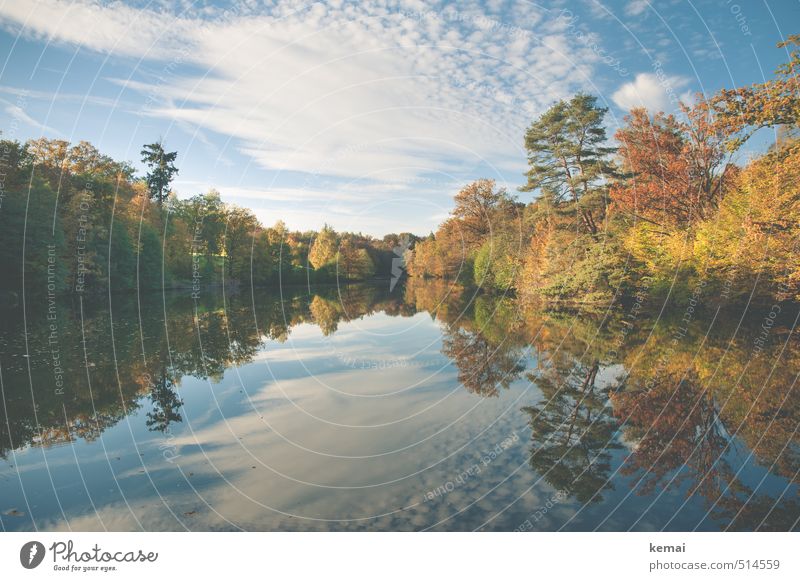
677	169
742	111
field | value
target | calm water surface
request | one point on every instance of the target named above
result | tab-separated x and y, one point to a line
428	407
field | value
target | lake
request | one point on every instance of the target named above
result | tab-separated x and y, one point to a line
425	407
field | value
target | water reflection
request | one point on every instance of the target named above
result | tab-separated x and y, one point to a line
572	431
93	365
635	423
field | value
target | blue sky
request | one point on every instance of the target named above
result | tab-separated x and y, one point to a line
366	115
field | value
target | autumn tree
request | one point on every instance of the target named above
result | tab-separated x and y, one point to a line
85	159
323	250
49	156
478	208
742	111
752	241
675	169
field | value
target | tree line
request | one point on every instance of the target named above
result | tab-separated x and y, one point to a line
663	211
74	219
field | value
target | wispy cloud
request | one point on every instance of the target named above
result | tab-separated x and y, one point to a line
116	28
636	7
380	91
52	97
18	113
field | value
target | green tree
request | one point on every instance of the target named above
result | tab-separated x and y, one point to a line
149	263
241	225
496	265
262	266
31	241
162	170
121	258
354	263
568	158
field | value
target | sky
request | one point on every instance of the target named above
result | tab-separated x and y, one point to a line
368	116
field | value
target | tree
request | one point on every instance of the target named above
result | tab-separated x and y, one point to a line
354	263
568	159
323	250
262	264
572	433
751	243
476	208
149	261
85	159
241	226
121	259
740	112
162	170
496	264
50	158
676	170
31	242
297	255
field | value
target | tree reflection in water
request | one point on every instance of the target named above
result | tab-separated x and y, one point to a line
137	358
639	416
572	432
166	404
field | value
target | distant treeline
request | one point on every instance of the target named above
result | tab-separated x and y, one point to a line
74	219
665	212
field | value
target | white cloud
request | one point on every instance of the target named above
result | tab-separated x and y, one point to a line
383	92
654	93
300	88
636	7
16	112
118	29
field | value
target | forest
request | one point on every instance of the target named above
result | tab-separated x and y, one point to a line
661	209
73	219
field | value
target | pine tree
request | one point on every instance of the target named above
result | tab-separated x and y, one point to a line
569	162
162	170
